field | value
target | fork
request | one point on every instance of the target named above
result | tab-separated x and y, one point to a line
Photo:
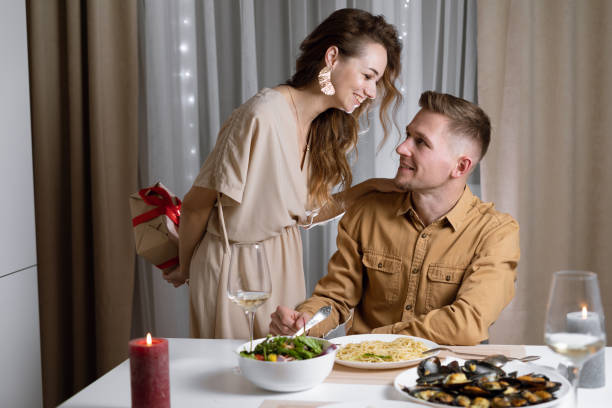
495	359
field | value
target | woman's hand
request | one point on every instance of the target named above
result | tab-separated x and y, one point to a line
195	212
347	198
175	276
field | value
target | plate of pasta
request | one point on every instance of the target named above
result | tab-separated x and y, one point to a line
381	351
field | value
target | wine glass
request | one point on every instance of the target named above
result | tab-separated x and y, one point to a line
248	283
575	320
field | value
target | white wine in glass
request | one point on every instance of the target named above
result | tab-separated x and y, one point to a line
575	320
248	283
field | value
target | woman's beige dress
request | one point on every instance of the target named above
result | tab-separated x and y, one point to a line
256	166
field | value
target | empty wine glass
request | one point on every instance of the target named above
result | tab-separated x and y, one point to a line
575	320
249	283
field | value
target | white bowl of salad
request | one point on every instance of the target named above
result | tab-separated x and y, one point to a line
287	364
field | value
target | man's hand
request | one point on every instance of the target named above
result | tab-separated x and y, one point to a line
287	321
174	276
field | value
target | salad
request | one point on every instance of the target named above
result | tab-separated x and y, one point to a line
288	349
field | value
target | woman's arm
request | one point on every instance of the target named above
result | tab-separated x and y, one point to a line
195	213
346	198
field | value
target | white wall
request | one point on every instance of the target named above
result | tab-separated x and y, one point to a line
20	372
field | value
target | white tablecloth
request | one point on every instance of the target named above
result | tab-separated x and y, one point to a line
203	373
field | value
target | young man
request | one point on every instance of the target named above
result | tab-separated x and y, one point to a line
434	261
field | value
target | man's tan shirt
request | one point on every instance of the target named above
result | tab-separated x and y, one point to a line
446	282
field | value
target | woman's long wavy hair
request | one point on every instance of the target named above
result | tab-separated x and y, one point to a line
333	133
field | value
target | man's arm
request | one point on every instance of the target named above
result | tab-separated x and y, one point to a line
488	287
341	288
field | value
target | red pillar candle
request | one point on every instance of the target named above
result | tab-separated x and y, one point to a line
149	373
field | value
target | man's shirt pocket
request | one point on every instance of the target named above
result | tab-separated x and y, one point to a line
383	275
443	283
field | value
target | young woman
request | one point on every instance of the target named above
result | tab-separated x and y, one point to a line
275	162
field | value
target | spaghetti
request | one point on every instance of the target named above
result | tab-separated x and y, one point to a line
376	351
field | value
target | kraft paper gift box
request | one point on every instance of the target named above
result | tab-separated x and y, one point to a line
155	218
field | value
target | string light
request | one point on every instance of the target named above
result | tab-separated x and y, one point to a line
188	85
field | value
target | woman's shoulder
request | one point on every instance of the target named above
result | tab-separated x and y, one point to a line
265	105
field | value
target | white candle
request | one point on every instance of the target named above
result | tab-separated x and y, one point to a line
593	373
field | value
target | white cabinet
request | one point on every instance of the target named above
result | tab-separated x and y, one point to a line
17	235
20	380
20	365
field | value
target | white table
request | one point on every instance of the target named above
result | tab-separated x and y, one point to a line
203	374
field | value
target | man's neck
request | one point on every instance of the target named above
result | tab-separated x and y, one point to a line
433	204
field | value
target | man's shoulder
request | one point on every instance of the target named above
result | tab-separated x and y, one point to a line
487	213
377	202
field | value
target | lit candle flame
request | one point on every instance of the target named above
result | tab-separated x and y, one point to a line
149	342
584	312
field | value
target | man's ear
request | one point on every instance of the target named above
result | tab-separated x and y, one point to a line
463	167
331	56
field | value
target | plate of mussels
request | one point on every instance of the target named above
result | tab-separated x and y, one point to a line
474	383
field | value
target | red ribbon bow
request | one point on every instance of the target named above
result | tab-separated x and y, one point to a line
164	204
160	198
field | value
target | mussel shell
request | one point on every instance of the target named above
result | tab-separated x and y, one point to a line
512	390
454	367
474	390
479	369
544	395
500	402
431	379
494	387
533	379
443	397
518	401
510	381
484	377
430	365
530	397
455	380
463	401
423	393
480	402
552	386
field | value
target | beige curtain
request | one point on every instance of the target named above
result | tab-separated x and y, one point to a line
545	77
84	99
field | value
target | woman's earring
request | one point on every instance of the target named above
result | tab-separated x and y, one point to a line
325	81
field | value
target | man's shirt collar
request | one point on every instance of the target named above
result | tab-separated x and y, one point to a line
454	217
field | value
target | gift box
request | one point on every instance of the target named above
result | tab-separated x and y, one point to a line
155	217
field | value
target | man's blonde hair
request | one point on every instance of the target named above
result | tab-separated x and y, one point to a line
466	119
